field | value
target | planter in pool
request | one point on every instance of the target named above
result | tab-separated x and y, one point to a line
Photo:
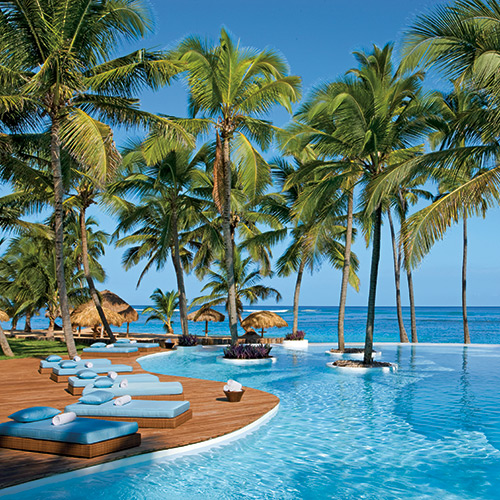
246	362
295	344
352	355
361	370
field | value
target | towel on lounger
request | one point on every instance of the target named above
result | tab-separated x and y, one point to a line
112	375
122	400
109	346
124	383
89	364
64	418
133	341
77	358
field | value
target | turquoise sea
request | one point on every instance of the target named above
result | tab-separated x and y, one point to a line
434	324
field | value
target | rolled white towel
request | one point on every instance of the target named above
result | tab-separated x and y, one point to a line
226	388
89	364
112	375
233	385
122	400
77	358
64	418
133	342
109	346
124	383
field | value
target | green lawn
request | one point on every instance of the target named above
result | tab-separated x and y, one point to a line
37	348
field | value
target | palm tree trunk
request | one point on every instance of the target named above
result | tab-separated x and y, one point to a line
464	286
88	276
176	257
296	295
4	344
370	320
55	152
396	253
345	270
411	297
51	328
228	246
13	326
27	322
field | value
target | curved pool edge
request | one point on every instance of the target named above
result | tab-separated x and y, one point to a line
171	453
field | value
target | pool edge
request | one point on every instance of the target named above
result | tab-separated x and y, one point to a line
190	449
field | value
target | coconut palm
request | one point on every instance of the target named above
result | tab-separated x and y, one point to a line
167	208
247	285
234	87
165	305
56	58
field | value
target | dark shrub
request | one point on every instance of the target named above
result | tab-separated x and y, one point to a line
187	340
298	335
247	351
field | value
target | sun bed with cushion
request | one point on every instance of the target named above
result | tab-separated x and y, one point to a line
46	366
158	414
145	390
124	352
83	437
77	384
62	374
142	346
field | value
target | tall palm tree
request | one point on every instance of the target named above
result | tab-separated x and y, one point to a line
233	87
164	308
56	57
167	208
247	285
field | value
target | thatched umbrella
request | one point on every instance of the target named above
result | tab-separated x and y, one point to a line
4	316
263	319
88	316
206	314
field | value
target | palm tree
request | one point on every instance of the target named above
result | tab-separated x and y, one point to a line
233	87
246	281
165	304
57	59
167	208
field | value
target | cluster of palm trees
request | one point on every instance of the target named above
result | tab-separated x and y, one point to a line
353	155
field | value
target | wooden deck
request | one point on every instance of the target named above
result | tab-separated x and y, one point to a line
213	416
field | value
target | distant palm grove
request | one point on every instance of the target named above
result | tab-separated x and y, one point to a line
200	192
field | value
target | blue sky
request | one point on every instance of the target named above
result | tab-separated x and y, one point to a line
317	38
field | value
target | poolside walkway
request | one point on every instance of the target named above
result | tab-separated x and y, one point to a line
213	416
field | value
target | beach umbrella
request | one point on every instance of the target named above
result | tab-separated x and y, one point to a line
206	314
88	316
4	316
263	319
112	302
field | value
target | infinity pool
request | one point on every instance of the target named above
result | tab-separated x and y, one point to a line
431	430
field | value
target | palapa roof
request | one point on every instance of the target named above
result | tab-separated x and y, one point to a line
89	316
206	314
263	319
4	316
111	302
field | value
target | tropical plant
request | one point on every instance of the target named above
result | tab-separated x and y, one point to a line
247	351
165	304
186	340
298	335
232	87
56	59
247	287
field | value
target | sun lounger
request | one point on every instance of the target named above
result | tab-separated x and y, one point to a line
142	346
83	437
158	414
171	391
76	384
46	366
63	374
110	352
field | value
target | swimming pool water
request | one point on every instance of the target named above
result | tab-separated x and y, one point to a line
431	430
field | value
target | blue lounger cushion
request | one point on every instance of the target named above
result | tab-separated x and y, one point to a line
142	389
34	413
136	377
52	364
147	345
123	341
52	358
137	408
123	350
95	368
81	430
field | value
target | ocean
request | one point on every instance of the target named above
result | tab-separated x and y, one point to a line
434	324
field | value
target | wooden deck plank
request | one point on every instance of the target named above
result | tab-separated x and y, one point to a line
213	416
